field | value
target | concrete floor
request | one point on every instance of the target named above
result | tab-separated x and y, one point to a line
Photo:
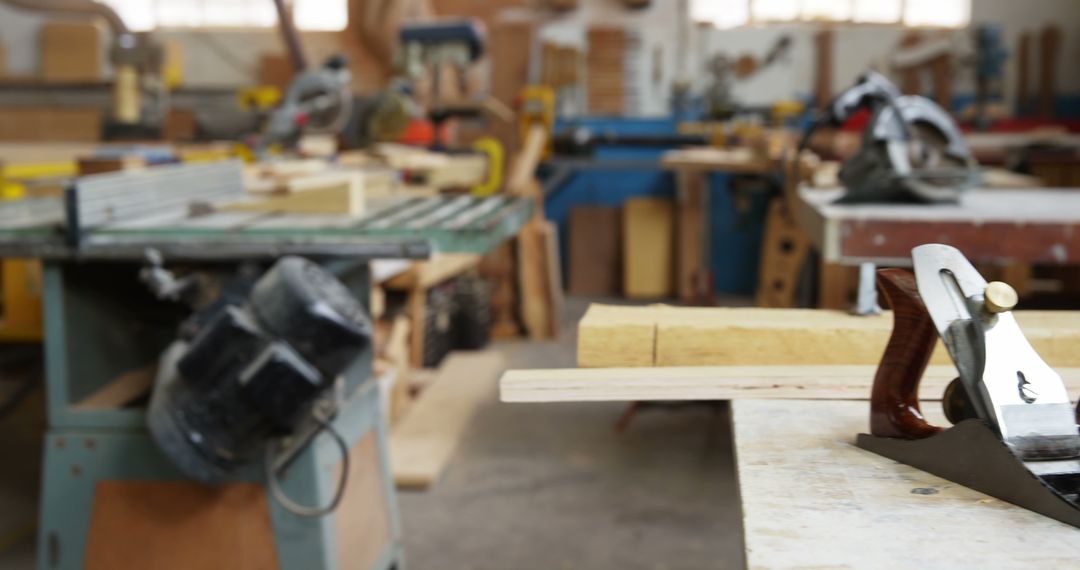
553	486
532	486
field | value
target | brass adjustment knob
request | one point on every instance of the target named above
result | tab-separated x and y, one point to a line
1000	297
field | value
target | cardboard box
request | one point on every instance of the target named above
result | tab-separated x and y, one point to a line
71	52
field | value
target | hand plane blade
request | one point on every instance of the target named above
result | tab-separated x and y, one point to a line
1010	386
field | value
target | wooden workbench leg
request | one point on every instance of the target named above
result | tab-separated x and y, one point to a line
837	286
1019	276
417	307
783	254
692	278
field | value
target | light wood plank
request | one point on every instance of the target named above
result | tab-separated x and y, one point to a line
716	383
424	441
810	498
660	335
438	269
648	231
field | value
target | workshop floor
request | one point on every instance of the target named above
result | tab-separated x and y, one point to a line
553	486
533	486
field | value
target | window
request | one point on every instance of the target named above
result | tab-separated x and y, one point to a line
151	14
734	13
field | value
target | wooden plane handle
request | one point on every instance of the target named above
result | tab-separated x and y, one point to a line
894	401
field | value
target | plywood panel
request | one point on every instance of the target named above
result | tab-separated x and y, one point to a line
180	526
363	520
71	51
595	255
41	124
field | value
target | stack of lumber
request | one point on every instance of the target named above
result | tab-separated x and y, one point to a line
607	72
436	169
669	353
559	65
304	186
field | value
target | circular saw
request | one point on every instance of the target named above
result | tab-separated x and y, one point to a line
912	150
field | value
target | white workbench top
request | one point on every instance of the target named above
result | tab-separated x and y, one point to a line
811	499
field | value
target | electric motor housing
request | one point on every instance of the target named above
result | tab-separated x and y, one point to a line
253	372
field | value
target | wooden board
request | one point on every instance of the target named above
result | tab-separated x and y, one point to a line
50	124
179	525
340	196
88	165
539	279
1050	42
363	518
783	253
716	383
428	273
424	441
648	231
310	186
595	260
810	498
275	70
416	281
605	62
124	389
511	47
691	269
678	336
70	51
710	159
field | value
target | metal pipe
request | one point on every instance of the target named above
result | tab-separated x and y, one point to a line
291	37
83	7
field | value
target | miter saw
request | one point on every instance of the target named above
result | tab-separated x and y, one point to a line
912	150
320	101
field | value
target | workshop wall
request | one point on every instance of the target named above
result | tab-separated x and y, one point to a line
230	58
859	48
660	27
221	58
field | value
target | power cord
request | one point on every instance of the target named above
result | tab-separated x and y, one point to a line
302	510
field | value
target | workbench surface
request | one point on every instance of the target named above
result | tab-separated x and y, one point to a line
738	160
1022	226
811	499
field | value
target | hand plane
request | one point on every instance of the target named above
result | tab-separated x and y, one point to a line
1014	433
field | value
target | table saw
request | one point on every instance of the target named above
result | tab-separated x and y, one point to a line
110	497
